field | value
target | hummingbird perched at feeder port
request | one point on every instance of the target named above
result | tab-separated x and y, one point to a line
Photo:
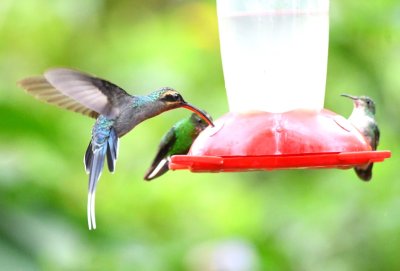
116	113
363	118
177	140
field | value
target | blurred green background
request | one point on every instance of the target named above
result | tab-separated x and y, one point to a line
281	220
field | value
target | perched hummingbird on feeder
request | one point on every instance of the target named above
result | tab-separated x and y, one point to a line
363	118
177	140
116	113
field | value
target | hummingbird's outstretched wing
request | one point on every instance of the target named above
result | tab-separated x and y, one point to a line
95	94
41	89
160	162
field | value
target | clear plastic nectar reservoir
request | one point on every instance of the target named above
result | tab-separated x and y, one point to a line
274	53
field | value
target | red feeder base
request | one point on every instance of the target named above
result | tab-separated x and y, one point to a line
267	141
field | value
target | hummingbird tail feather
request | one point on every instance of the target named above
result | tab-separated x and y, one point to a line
87	160
91	211
364	173
112	150
95	168
157	170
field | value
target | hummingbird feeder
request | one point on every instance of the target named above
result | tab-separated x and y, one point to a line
274	56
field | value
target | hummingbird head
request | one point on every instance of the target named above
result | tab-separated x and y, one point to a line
172	99
198	122
362	102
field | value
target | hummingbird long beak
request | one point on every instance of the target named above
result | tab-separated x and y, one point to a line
198	112
349	96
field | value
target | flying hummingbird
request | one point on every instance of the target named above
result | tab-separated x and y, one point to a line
363	118
116	113
177	140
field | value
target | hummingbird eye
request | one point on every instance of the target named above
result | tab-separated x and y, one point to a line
172	97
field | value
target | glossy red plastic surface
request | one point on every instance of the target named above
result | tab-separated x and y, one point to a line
267	141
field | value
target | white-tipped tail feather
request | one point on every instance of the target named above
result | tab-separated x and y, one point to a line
159	169
94	162
94	175
91	214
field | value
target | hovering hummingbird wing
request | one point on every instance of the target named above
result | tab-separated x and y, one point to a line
40	88
160	162
86	91
97	94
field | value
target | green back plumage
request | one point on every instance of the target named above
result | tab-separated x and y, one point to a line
185	133
178	140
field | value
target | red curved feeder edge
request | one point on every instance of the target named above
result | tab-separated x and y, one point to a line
268	141
342	160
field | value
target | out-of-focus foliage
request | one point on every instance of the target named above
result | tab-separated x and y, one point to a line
283	220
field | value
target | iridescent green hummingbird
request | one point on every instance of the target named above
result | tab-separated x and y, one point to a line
363	118
177	140
116	113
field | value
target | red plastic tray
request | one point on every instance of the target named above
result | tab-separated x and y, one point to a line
342	160
267	141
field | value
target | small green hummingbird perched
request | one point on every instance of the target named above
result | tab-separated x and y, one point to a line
177	140
363	118
116	114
